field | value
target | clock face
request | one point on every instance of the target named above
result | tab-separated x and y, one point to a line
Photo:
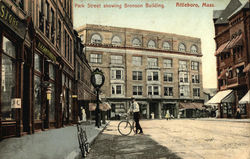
98	79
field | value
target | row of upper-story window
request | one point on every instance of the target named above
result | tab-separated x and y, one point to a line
118	74
152	62
47	25
66	4
154	90
83	73
237	53
136	42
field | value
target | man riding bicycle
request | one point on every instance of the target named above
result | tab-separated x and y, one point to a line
135	108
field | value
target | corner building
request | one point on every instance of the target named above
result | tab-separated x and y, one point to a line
37	63
232	37
162	71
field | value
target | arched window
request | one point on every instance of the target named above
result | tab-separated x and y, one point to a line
96	39
151	44
182	47
166	46
116	41
193	49
136	42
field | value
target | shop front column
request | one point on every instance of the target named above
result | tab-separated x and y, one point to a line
148	116
159	109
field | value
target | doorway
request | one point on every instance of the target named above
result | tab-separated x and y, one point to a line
26	114
153	108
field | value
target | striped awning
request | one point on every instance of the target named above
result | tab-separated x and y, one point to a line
191	106
237	41
245	99
222	48
247	68
226	96
223	74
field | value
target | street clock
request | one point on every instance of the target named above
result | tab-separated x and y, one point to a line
97	78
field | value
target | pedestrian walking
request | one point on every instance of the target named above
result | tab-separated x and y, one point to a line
135	108
238	112
167	115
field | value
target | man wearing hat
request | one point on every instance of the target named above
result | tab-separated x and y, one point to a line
135	108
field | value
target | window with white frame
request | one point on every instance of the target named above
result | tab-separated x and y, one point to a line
95	58
137	90
137	60
96	39
136	42
116	41
195	65
183	65
152	62
151	44
195	79
183	77
168	91
196	92
116	59
193	49
184	91
153	90
137	75
153	75
182	47
167	63
166	46
116	74
168	77
117	89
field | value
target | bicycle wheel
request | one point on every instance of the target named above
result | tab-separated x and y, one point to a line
124	128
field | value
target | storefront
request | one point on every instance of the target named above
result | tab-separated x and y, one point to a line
46	95
13	53
226	103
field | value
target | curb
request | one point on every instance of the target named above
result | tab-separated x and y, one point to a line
91	142
76	154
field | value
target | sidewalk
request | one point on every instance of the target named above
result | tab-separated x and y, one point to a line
225	119
51	144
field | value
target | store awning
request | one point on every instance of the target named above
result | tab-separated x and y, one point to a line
221	48
239	64
191	106
223	74
245	99
226	96
247	68
237	41
102	106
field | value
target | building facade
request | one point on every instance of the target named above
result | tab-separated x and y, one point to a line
37	61
232	33
162	71
84	89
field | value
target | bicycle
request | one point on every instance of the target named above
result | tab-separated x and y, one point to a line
83	140
125	127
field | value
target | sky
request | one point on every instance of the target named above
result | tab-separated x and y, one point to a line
189	21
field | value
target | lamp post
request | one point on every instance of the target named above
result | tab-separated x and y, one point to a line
97	80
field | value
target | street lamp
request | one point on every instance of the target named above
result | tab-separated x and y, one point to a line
97	80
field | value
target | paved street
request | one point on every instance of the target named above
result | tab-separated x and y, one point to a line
188	139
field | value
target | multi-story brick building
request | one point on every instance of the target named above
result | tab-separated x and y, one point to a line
162	71
232	35
37	63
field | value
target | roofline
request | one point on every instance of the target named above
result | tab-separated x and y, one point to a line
85	27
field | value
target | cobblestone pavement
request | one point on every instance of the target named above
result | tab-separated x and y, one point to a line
188	139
